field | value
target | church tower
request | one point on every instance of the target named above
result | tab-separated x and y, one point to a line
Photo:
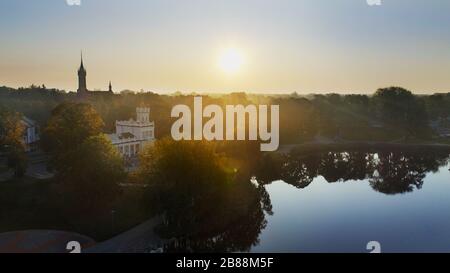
110	88
82	88
143	114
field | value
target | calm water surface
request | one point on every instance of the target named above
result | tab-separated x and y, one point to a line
400	200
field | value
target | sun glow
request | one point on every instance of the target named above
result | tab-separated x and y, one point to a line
231	61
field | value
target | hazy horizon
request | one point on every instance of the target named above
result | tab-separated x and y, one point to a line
284	46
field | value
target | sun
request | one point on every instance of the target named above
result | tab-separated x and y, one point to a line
231	60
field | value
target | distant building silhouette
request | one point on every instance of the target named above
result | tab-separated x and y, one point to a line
82	85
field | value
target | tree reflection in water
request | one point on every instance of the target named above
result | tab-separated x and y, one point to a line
238	236
392	172
401	173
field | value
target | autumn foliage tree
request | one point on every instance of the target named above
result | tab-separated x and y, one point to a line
69	126
88	167
11	141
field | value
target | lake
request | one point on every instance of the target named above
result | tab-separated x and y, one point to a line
339	201
332	201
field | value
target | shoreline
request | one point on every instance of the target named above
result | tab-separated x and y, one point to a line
356	145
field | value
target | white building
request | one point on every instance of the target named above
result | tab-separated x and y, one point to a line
31	135
133	135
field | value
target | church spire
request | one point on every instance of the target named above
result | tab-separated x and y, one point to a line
82	87
110	87
82	65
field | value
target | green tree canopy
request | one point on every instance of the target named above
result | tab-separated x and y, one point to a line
88	167
400	109
91	174
439	106
201	203
70	125
185	179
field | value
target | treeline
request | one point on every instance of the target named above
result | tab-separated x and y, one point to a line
389	114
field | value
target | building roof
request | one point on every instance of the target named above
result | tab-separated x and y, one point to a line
135	123
28	122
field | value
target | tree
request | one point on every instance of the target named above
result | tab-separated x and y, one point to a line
11	141
185	179
439	107
400	109
17	160
90	174
87	165
201	203
403	172
69	126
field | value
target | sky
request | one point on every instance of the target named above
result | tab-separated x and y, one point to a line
285	46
